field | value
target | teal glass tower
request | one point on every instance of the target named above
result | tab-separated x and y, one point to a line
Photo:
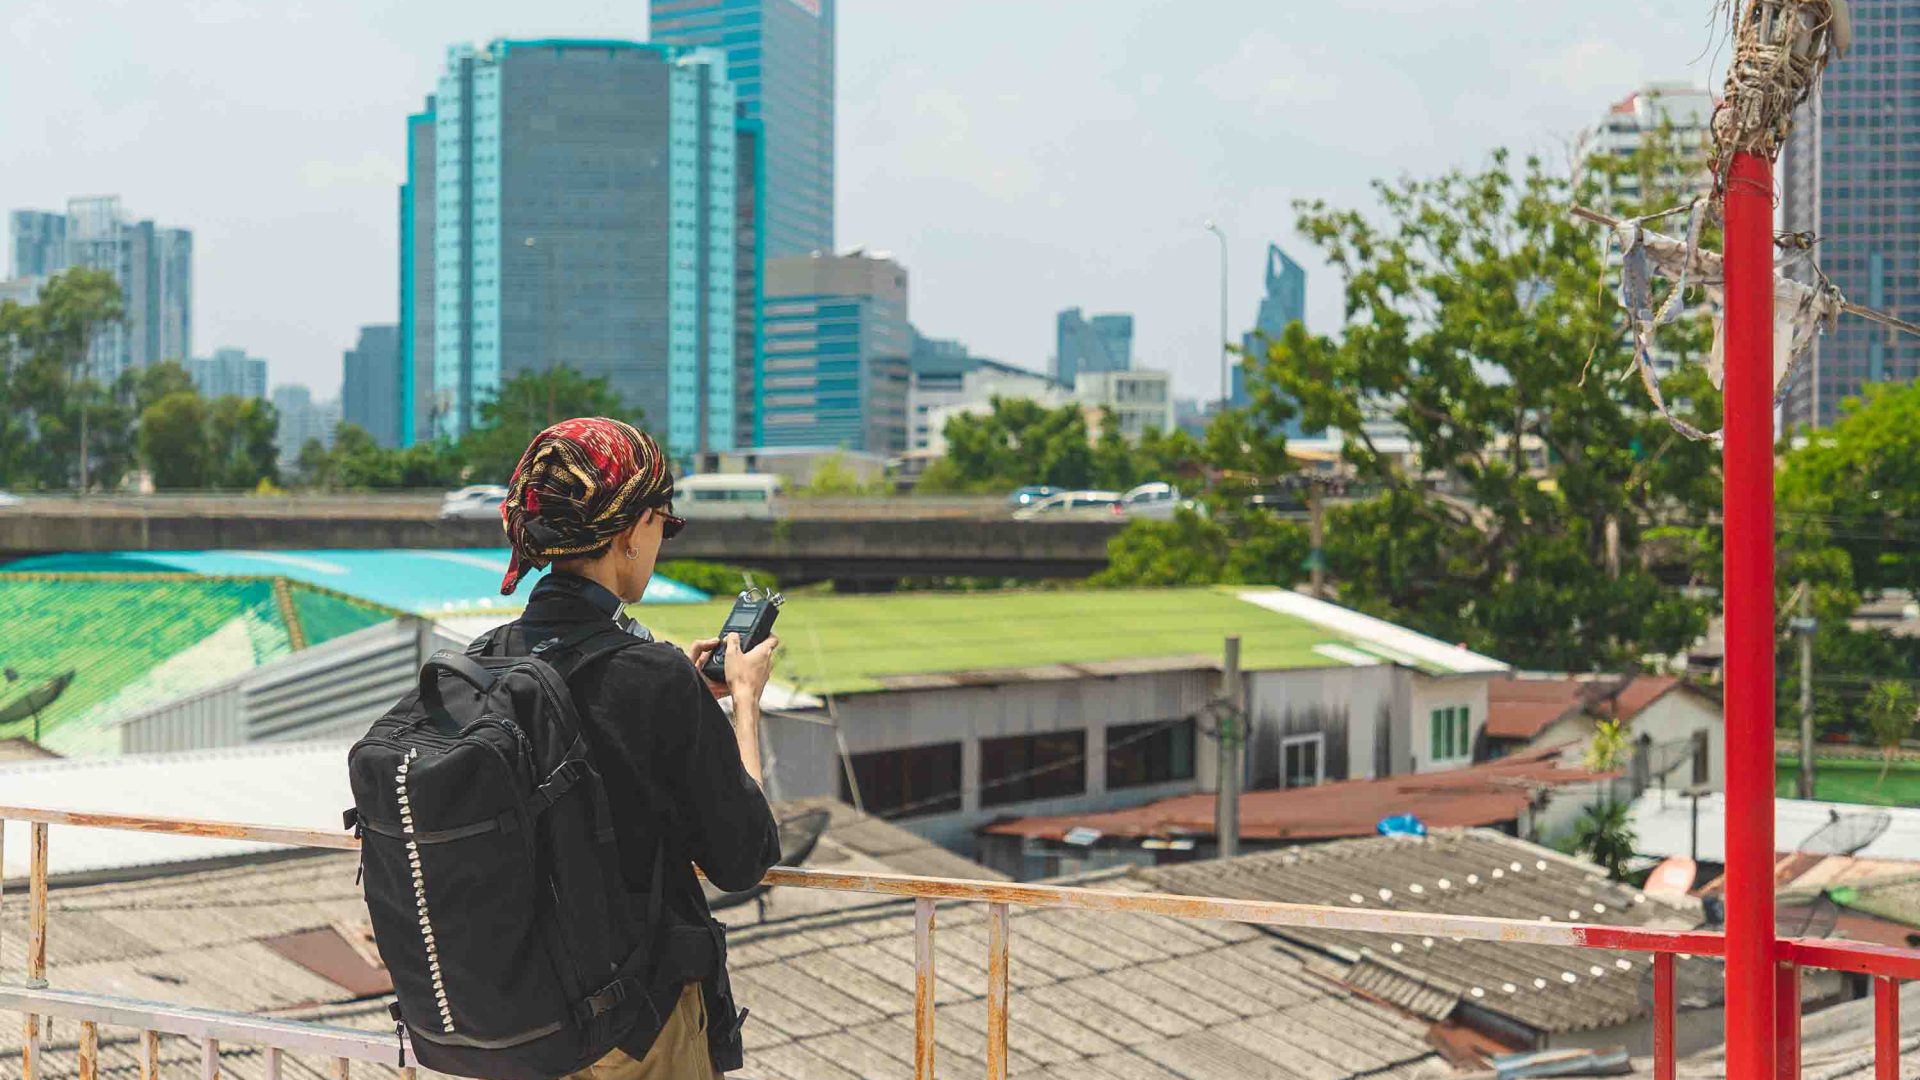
780	58
575	203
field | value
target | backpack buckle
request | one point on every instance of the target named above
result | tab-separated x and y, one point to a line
610	997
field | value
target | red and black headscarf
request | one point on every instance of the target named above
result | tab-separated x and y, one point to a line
581	483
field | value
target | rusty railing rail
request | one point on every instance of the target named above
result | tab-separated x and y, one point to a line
1888	966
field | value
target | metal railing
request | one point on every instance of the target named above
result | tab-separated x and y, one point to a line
1888	966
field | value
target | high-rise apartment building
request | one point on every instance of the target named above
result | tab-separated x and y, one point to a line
229	373
1135	402
1681	112
1102	343
1283	304
582	201
371	385
780	58
1851	177
417	297
837	348
153	266
302	420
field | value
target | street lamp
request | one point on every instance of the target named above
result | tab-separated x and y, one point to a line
1226	355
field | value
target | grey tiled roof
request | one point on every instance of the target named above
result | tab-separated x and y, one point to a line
1459	872
1091	995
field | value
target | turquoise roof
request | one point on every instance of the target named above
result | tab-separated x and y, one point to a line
423	581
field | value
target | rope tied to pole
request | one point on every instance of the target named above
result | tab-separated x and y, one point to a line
1780	48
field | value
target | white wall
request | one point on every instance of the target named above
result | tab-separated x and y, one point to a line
1438	692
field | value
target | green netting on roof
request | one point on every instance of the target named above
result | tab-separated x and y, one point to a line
136	641
325	616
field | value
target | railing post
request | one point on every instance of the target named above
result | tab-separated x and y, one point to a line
1663	1005
149	1055
210	1059
273	1063
30	1048
37	909
89	1050
923	988
1886	1028
1786	1021
997	991
3	884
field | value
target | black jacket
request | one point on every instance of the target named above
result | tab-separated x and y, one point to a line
660	739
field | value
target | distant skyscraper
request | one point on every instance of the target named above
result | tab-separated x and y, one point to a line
371	385
154	267
1102	343
1284	304
583	213
229	373
1851	176
750	235
940	368
1686	111
302	420
780	58
837	345
39	244
417	258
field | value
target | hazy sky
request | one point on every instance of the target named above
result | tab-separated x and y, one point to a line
1018	156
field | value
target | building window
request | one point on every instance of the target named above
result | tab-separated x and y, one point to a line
1153	753
1302	760
1451	733
1025	767
907	783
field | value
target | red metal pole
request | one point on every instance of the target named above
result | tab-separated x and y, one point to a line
1748	512
1663	1004
1886	1028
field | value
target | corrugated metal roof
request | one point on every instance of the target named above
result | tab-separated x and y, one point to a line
1663	825
1491	794
1457	872
299	784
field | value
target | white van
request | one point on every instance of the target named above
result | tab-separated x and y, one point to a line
720	496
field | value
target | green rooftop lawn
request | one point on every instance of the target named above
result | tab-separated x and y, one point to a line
1847	780
839	644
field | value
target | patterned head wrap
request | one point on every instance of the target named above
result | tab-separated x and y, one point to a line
580	484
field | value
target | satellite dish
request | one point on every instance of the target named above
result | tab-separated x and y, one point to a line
1846	834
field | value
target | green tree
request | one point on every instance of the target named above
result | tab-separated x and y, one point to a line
832	476
173	440
1015	443
1234	547
156	381
527	403
74	307
241	449
1858	483
1890	718
1476	326
1605	835
1609	749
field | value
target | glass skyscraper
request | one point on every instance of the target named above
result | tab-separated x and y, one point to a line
837	350
229	373
1102	343
370	384
780	58
1851	176
153	266
581	199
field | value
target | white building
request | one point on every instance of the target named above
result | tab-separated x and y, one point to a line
1139	401
975	397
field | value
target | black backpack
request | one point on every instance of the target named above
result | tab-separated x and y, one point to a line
490	867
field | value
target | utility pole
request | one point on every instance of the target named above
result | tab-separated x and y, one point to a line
1316	531
1226	816
1805	625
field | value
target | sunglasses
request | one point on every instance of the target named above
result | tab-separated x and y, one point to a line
670	523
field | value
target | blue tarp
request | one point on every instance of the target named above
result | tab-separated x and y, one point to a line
424	581
1401	825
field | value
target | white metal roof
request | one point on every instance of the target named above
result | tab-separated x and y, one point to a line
1390	642
1663	825
293	784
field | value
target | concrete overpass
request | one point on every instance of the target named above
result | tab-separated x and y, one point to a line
852	541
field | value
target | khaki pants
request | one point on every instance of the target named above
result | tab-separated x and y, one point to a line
680	1053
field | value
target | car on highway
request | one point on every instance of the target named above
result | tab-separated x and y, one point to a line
724	496
1152	500
1072	504
475	502
1031	494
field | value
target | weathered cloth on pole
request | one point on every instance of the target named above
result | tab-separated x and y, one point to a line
1800	310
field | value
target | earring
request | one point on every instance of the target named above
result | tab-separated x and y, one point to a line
633	553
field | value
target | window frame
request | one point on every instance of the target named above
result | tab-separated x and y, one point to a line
1001	791
1315	739
1175	729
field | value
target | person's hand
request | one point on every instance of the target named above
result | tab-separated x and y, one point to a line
698	653
747	672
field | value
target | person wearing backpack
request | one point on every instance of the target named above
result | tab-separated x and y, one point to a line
635	776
